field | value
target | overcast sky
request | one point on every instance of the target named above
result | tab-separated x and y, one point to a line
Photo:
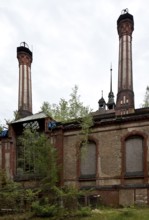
74	42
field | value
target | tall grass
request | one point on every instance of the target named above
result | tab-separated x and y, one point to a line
102	214
120	214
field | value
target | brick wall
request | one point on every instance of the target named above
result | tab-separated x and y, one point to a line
109	161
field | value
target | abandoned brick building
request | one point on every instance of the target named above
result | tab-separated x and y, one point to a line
116	165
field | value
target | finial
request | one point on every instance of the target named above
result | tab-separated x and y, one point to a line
111	103
111	78
101	93
124	11
111	67
24	44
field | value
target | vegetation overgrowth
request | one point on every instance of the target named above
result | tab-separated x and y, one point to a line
135	213
37	159
69	111
146	98
47	200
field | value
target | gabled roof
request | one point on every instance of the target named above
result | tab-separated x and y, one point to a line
33	117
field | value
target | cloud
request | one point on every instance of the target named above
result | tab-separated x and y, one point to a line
73	42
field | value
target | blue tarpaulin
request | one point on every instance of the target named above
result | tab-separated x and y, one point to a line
4	133
52	125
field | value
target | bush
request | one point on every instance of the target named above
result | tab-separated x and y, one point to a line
45	210
84	212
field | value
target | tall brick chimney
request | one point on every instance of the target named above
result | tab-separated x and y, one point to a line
125	96
24	56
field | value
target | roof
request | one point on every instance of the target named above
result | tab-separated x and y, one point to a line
36	116
110	117
24	49
125	16
104	113
99	117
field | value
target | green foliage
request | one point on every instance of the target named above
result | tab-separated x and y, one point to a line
3	178
1	128
72	110
70	197
39	154
146	98
45	210
65	111
16	115
83	212
9	193
30	196
59	203
104	214
14	197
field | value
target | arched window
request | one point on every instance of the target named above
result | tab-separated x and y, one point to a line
134	155
88	160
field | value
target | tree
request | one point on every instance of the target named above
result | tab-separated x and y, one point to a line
16	115
71	110
146	98
9	192
1	128
37	155
49	200
40	156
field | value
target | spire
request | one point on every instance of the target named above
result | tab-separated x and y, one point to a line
101	102
111	78
111	103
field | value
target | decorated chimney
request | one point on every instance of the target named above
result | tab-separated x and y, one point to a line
125	96
24	56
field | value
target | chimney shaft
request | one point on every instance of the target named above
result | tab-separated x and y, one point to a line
125	96
24	56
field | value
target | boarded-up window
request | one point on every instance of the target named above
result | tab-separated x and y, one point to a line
88	160
134	155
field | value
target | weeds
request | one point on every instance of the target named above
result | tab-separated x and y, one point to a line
98	214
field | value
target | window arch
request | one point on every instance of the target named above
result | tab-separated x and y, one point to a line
88	160
134	155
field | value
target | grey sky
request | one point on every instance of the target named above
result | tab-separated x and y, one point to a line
73	42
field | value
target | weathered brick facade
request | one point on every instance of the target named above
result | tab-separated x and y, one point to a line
111	180
118	169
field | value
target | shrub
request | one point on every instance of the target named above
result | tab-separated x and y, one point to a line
83	212
45	210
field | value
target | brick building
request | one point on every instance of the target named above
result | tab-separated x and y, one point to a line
116	162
